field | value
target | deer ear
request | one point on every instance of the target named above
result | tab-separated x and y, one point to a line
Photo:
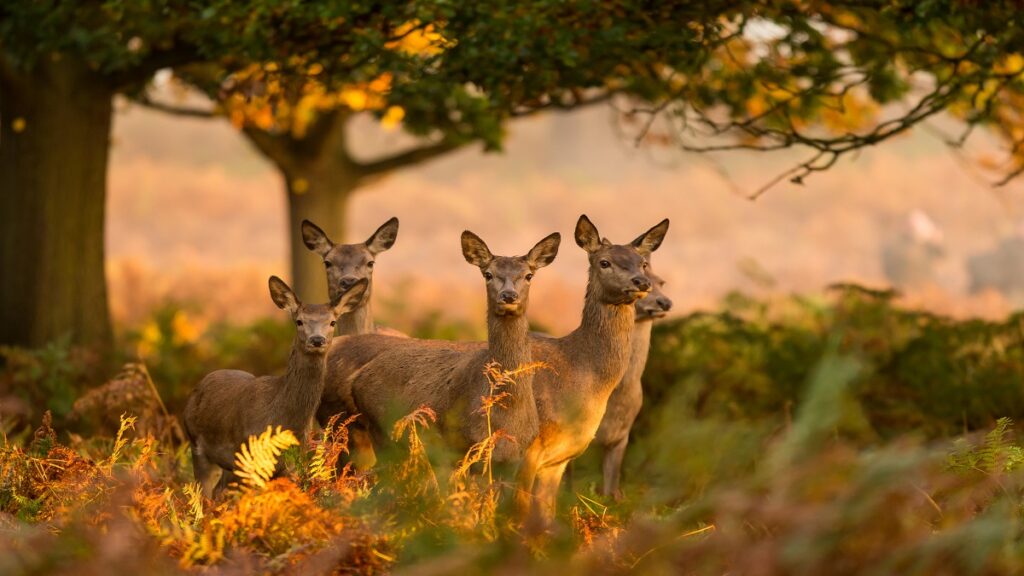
315	239
649	241
587	236
282	295
384	237
351	297
545	251
475	250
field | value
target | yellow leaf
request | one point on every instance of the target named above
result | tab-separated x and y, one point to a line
392	118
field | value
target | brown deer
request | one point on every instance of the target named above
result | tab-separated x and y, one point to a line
228	406
381	376
587	364
346	264
627	398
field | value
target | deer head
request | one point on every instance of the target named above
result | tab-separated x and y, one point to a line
655	304
314	323
508	277
348	263
618	272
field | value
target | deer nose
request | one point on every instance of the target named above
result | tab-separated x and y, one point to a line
318	341
642	283
665	303
508	297
348	281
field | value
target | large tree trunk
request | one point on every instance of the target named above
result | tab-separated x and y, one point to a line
320	195
53	172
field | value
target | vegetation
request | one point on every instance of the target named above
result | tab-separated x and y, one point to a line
766	446
819	76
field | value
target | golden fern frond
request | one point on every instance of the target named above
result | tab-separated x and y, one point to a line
194	493
256	461
127	423
421	417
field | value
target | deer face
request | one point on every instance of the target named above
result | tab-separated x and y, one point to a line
314	323
508	277
618	272
655	304
347	264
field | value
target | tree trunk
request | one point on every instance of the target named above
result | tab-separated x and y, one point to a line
320	195
54	138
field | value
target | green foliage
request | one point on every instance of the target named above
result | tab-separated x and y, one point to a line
48	378
921	373
996	453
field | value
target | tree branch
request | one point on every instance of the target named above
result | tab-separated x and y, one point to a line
410	157
186	111
273	147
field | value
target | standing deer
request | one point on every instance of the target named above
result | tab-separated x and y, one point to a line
380	376
587	364
228	406
346	264
627	398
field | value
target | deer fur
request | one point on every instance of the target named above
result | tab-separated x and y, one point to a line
587	364
626	400
348	263
382	377
229	406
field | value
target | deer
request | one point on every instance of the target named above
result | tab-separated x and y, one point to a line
346	264
586	365
229	406
570	397
379	376
626	400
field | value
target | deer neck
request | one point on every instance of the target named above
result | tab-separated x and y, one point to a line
640	345
358	321
508	339
300	388
603	340
508	344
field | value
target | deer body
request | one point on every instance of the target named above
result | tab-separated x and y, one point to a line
626	400
228	406
587	365
382	377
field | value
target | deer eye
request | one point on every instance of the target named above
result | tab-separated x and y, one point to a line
605	264
369	264
488	276
327	263
298	322
529	277
332	323
645	265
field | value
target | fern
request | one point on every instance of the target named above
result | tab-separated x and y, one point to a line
995	454
256	461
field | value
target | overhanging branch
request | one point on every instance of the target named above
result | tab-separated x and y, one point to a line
410	157
186	111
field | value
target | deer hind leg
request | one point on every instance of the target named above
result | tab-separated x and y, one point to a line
363	455
612	468
204	471
227	478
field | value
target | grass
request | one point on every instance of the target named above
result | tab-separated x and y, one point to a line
837	435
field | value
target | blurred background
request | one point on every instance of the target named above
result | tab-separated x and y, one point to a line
198	218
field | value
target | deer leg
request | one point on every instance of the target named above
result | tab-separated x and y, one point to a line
526	477
363	455
226	478
204	471
548	480
612	468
